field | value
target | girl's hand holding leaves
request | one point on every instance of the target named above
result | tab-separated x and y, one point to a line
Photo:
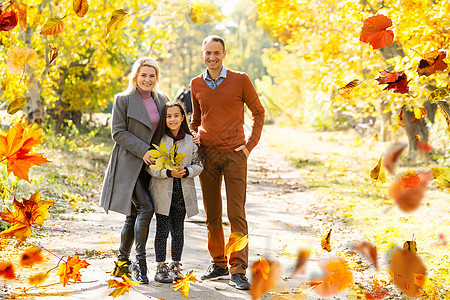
166	160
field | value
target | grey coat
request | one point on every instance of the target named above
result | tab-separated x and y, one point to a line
161	185
132	132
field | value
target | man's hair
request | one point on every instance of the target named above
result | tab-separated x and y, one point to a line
214	38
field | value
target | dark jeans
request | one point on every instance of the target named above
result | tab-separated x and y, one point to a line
137	225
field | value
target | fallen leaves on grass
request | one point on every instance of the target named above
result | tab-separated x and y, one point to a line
236	242
260	286
406	267
326	242
121	287
71	269
183	285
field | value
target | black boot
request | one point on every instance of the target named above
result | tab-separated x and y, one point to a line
139	271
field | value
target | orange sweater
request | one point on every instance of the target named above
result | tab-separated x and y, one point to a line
218	115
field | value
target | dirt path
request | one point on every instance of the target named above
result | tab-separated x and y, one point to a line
282	213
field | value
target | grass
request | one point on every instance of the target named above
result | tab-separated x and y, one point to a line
336	167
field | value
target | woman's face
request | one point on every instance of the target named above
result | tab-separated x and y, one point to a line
146	78
174	118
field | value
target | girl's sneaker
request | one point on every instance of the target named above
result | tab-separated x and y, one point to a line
175	270
162	274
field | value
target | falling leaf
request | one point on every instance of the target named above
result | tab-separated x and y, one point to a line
374	31
368	250
16	105
417	138
409	180
71	269
399	118
261	268
302	258
432	62
53	26
21	10
382	278
15	147
7	270
326	242
419	279
419	114
377	173
392	155
8	21
442	177
183	285
37	279
409	199
376	137
424	147
75	201
259	286
396	81
310	57
30	211
203	11
237	242
339	274
19	57
31	256
121	287
439	94
80	7
410	246
442	110
405	264
119	19
350	86
118	269
53	54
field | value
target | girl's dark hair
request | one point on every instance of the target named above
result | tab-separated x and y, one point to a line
161	130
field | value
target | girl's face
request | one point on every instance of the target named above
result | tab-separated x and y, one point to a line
146	78
173	119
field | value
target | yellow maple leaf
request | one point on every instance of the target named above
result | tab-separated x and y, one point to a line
340	274
183	284
121	287
442	177
71	269
237	242
37	279
19	57
203	11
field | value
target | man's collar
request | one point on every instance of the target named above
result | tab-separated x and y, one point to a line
223	74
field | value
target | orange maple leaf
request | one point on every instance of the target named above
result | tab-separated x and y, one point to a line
27	213
261	268
71	269
7	270
432	62
31	256
374	31
15	147
340	274
183	284
121	287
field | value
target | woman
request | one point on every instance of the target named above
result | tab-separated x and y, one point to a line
135	117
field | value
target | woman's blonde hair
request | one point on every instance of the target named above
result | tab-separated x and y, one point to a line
143	61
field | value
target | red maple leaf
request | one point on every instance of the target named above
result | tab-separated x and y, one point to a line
432	62
374	31
15	147
396	81
8	21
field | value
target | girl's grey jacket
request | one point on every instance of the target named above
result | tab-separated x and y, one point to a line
161	185
132	132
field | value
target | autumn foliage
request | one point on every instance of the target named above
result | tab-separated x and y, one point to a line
71	269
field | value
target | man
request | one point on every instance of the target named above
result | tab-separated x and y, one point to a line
218	98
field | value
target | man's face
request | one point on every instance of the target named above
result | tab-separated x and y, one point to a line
213	54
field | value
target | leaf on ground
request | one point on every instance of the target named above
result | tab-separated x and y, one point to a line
80	7
409	199
419	114
119	19
71	269
397	81
16	105
374	31
432	62
302	258
37	279
390	158
410	179
368	250
442	177
7	270
15	147
236	242
18	58
350	86
259	286
121	287
53	26
30	211
405	264
377	173
339	274
183	285
203	11
31	256
325	243
382	278
261	268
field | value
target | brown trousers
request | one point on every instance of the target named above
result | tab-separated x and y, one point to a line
233	167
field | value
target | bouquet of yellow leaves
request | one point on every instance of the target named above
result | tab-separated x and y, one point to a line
166	160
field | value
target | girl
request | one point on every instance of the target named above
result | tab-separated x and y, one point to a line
173	191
